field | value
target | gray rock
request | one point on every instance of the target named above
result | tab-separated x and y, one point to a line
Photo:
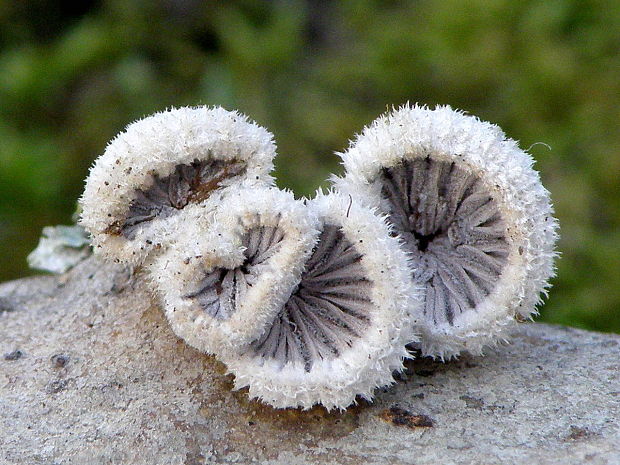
101	379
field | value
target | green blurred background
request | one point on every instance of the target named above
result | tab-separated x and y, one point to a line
314	73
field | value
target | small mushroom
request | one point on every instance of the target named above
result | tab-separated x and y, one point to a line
471	212
343	329
182	159
304	304
225	278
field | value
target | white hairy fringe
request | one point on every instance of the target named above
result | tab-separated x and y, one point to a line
481	148
371	360
156	145
214	242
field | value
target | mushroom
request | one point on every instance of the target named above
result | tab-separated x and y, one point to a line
311	310
226	277
470	211
439	236
182	159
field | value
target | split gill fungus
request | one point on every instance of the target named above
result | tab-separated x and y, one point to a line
439	236
297	325
471	212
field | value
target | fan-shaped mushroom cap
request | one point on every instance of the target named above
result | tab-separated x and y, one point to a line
225	279
166	163
343	330
472	213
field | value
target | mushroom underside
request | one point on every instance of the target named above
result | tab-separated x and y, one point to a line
451	224
220	290
328	310
192	183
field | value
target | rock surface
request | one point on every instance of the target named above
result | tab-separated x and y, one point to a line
90	373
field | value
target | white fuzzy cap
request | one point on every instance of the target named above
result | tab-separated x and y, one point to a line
369	362
215	242
481	148
156	145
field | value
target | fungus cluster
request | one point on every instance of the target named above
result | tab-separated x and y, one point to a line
439	236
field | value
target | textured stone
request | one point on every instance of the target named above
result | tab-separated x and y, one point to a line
101	379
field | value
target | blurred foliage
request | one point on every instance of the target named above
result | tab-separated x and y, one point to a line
72	75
